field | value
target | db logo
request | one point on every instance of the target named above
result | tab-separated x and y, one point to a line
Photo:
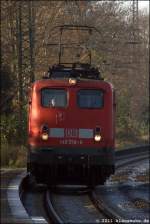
71	133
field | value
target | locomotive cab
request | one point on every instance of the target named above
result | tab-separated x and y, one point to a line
71	127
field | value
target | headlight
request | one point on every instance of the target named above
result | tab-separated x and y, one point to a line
44	132
72	81
44	136
97	138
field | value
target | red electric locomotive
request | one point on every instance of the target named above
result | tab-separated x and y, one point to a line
71	126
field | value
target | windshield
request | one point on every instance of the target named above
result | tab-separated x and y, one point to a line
90	99
54	98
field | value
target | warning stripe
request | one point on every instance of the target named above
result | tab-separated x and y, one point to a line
60	132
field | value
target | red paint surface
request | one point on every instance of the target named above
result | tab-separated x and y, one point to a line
72	116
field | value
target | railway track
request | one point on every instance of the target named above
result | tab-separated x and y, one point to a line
43	205
125	198
86	208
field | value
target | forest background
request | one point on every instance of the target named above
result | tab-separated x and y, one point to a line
121	52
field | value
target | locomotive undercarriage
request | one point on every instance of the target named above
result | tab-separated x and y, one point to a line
64	174
76	169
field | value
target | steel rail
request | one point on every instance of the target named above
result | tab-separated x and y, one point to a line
61	211
133	150
100	204
28	187
12	211
103	208
133	159
51	210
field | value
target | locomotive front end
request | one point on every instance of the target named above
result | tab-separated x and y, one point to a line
71	131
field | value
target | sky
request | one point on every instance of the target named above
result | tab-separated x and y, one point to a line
144	4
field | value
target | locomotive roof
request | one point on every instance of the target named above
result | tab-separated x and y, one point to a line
74	70
83	83
59	75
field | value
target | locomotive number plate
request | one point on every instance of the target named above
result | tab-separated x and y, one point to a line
71	142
